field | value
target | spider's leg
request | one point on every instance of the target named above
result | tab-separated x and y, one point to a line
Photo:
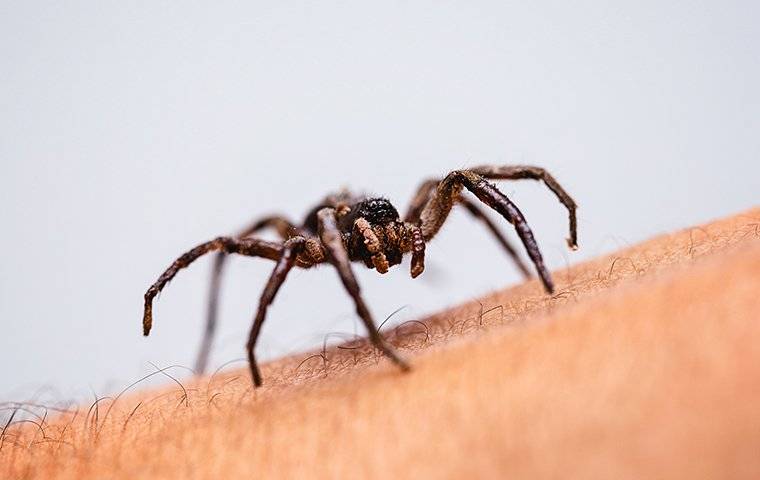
290	251
420	199
330	236
517	172
480	215
212	310
249	247
439	206
284	229
428	189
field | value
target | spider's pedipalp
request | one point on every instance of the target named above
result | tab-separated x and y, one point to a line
418	252
372	242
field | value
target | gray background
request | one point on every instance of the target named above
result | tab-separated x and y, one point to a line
130	131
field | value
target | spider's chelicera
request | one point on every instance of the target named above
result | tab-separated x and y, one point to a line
345	227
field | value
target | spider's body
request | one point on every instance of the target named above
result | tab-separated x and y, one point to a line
358	219
345	227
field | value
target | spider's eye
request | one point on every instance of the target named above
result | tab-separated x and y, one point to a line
378	211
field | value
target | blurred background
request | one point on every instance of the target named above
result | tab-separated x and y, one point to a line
131	131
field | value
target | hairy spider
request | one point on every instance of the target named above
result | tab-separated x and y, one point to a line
345	227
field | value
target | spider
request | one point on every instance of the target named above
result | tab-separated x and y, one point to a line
345	227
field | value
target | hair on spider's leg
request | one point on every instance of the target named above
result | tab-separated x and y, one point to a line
518	172
290	251
338	257
476	212
249	247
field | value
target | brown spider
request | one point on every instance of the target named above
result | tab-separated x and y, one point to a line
345	227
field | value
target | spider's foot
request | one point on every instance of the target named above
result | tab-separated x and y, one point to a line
147	320
397	359
256	376
417	269
548	284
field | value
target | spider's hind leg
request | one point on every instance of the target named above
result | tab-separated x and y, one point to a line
476	212
285	229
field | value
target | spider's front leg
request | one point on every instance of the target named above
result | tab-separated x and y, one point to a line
438	207
248	247
478	213
331	238
520	172
428	189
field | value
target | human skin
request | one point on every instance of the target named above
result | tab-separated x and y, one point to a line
644	364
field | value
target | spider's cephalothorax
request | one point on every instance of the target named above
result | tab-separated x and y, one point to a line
346	227
374	233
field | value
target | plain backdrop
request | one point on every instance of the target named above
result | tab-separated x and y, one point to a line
131	131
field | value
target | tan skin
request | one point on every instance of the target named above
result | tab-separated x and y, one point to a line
345	228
